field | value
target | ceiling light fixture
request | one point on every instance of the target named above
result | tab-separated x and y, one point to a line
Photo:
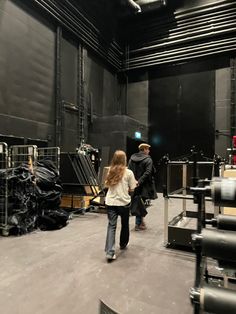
135	6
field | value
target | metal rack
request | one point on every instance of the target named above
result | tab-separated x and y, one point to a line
3	187
78	175
50	153
17	196
178	230
214	288
23	154
10	159
22	209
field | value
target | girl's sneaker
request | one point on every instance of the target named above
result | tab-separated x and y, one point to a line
110	257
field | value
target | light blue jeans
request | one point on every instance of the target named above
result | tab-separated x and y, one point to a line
112	213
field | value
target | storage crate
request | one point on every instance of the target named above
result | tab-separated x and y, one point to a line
72	201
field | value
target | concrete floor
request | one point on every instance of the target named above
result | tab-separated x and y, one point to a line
65	271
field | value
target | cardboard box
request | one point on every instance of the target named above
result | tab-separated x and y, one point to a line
72	201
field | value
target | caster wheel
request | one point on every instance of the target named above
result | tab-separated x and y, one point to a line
5	232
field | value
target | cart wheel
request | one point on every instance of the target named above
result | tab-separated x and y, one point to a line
5	232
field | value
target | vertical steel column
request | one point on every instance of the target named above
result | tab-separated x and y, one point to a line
78	99
81	104
218	167
233	97
126	67
166	203
4	163
58	122
166	218
184	183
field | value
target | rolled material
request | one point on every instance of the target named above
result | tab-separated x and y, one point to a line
226	222
218	300
223	192
218	244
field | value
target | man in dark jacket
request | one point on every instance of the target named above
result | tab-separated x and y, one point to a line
142	166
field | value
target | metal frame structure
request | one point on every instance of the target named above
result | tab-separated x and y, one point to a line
14	157
51	153
3	187
17	156
83	179
211	292
184	194
23	154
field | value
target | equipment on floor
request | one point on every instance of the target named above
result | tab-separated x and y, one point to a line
80	181
30	191
18	206
218	242
104	309
232	151
77	174
93	153
180	175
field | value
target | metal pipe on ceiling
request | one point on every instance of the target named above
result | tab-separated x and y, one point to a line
204	8
190	23
179	18
93	37
198	36
194	25
76	13
187	53
196	47
186	28
155	30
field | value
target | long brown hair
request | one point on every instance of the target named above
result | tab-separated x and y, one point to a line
117	168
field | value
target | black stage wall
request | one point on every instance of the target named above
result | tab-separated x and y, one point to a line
27	63
187	104
182	113
63	77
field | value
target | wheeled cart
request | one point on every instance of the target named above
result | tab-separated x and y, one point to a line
49	153
180	175
16	185
215	241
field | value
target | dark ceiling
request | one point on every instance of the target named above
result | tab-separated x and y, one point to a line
113	17
109	15
162	33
